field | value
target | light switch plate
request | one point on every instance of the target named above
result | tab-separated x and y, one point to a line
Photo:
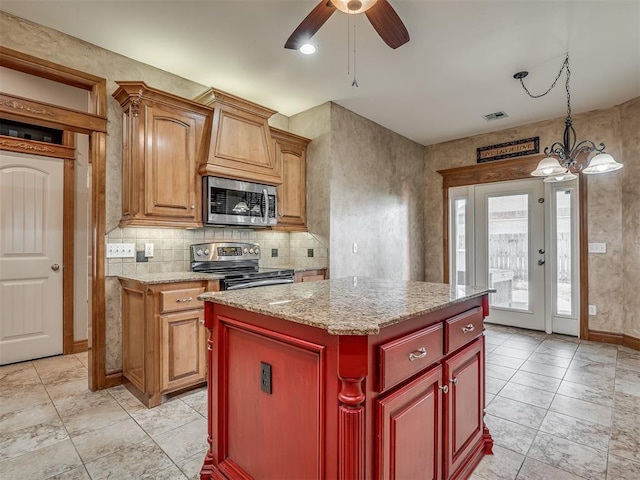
121	250
593	310
148	249
597	248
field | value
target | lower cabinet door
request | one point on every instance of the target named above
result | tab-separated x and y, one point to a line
464	376
409	423
182	350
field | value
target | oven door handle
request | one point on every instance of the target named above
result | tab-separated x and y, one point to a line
259	283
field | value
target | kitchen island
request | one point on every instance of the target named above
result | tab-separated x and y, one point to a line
348	378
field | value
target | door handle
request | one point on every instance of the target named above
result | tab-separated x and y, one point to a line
55	267
541	262
421	353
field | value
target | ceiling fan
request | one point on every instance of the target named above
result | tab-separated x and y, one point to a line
380	13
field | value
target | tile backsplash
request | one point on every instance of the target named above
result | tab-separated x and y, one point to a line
171	248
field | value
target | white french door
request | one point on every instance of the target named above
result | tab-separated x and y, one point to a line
519	238
510	251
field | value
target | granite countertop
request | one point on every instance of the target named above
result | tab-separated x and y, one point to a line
347	306
174	277
171	277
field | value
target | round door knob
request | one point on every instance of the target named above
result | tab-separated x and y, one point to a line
55	267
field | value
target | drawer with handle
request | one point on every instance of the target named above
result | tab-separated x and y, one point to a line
176	300
403	357
463	328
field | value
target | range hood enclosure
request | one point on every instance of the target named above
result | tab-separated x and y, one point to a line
241	145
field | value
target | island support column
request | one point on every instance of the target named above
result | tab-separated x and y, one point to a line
352	370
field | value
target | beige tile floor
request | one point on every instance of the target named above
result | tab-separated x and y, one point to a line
558	409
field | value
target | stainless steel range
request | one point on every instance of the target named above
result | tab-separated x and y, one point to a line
238	263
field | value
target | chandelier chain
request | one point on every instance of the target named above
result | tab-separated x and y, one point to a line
565	64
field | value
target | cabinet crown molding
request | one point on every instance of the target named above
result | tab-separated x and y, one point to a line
214	96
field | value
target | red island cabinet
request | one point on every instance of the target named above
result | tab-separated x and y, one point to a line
292	401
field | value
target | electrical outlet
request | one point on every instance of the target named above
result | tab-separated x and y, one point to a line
148	249
354	247
265	377
121	250
597	248
309	252
593	310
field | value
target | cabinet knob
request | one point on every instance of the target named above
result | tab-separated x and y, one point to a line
202	322
468	328
445	389
193	207
421	353
454	380
184	300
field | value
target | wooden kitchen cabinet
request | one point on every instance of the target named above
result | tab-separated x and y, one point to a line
164	138
290	151
410	430
464	407
311	275
241	145
163	337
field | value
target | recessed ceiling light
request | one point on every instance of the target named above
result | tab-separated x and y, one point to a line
308	49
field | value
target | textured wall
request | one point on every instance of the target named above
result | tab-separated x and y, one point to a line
315	124
630	116
376	200
364	185
606	197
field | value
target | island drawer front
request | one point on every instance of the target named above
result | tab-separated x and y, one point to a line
463	328
185	299
402	358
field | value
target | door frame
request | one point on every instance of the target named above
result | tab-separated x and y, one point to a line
93	124
518	169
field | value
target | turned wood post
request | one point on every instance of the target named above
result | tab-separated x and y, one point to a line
352	370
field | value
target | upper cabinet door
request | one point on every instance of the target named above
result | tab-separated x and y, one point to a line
291	152
165	137
240	140
170	163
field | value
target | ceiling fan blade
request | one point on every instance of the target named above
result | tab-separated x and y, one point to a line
387	23
310	25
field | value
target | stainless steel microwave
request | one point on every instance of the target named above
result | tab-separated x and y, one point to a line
233	202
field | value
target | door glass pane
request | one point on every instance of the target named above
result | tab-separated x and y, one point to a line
564	263
460	207
508	249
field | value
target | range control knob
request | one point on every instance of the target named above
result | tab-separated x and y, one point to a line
251	250
246	250
206	251
257	250
199	252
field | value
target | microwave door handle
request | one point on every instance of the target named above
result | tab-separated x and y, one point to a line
265	198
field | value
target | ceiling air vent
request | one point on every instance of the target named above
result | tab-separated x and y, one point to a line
494	116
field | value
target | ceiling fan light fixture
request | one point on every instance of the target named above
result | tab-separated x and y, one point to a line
308	49
353	6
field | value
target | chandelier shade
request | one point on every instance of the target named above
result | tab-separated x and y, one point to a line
548	166
602	163
565	159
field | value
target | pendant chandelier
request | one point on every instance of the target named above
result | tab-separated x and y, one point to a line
564	159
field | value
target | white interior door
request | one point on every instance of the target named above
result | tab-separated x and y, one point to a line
30	257
510	251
